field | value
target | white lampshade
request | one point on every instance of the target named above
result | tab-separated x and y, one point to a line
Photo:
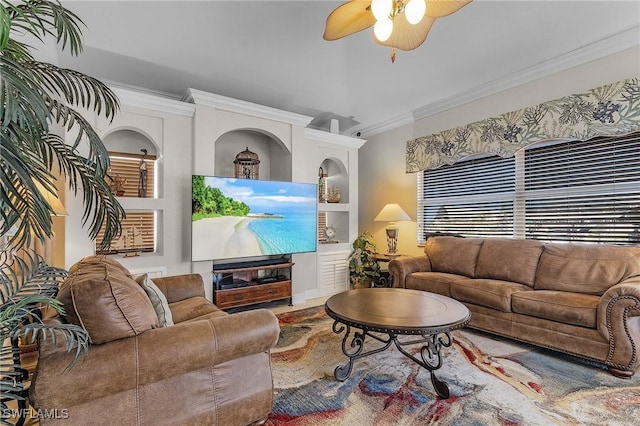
391	213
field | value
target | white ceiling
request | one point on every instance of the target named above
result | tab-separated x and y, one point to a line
272	53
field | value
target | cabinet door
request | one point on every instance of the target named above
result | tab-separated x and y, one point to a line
333	273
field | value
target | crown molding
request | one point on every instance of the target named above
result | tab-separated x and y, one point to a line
619	42
387	125
334	138
225	103
156	102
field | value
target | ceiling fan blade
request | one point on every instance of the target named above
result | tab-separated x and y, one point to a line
349	18
440	8
406	36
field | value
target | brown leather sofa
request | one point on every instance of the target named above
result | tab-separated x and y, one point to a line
208	368
581	299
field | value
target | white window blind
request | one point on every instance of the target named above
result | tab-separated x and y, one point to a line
586	191
471	198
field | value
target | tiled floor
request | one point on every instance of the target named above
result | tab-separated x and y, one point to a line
281	308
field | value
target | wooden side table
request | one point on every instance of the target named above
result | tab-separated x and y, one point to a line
385	280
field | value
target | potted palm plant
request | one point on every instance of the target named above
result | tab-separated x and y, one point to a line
36	99
363	267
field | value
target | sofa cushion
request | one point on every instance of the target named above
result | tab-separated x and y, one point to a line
560	306
486	292
193	308
585	268
433	282
509	259
453	255
108	304
157	298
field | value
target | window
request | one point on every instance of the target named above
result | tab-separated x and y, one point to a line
126	180
472	198
586	191
124	176
138	234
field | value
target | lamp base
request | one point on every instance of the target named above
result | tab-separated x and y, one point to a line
392	240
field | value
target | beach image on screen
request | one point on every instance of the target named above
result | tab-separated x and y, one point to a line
233	218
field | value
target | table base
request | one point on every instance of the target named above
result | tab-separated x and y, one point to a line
430	354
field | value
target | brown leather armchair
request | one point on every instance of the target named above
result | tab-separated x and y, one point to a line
209	368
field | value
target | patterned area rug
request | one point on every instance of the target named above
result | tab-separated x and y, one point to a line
493	381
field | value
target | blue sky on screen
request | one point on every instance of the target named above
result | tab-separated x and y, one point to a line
264	196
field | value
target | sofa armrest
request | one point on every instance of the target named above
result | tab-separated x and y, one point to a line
619	323
401	267
180	287
155	355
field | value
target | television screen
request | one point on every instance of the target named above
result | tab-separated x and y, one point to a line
235	218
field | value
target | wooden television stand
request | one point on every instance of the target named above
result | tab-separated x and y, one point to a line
247	285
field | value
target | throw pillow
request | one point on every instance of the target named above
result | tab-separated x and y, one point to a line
158	300
108	304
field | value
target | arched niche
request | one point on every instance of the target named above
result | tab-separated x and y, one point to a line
335	175
275	158
130	143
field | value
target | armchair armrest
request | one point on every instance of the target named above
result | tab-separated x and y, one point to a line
401	267
125	364
180	287
618	322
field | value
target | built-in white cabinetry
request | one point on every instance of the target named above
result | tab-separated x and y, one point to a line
337	172
202	134
333	273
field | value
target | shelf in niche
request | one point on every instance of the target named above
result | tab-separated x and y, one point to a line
338	220
339	246
333	207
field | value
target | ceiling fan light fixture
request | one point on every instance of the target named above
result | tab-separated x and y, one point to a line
398	24
383	29
415	10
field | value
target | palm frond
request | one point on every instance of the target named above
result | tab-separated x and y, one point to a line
76	88
32	96
74	337
98	153
21	203
24	274
5	27
21	98
100	205
42	17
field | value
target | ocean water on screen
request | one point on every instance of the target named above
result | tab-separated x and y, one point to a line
294	233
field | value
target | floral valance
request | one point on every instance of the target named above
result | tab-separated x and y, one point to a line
608	110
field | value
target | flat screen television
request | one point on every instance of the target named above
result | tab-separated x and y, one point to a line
239	218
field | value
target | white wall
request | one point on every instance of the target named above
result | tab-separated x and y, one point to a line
204	137
382	174
168	125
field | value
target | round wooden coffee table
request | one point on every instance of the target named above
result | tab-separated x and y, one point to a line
394	312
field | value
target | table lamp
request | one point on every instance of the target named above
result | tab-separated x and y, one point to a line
392	213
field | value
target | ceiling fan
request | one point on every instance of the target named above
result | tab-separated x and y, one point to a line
402	24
